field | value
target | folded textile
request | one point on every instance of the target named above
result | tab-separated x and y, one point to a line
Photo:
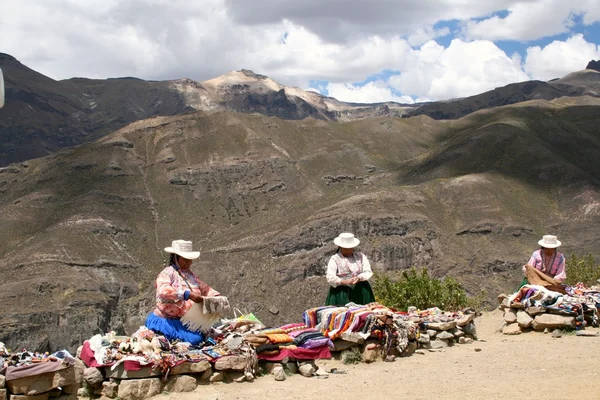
215	305
279	338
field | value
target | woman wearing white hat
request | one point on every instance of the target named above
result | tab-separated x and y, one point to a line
177	289
348	274
547	261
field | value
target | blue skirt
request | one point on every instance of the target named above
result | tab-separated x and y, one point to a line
173	329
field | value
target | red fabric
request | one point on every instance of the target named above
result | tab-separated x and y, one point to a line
298	354
87	356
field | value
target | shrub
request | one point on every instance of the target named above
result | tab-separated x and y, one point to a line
582	269
419	289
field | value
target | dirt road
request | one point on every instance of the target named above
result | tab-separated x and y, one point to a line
532	366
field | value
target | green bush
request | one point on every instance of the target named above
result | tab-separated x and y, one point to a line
582	269
417	288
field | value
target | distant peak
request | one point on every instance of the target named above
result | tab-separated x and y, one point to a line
251	74
595	65
4	56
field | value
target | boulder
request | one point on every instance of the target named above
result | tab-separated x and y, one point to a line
408	351
191	368
372	352
586	333
43	396
341	345
42	383
552	321
270	366
510	316
465	340
237	363
524	319
441	326
217	376
2	382
180	384
121	373
307	369
438	344
292	367
93	377
3	394
535	310
445	336
470	329
79	369
352	337
423	339
465	320
556	334
279	373
432	333
110	389
512	329
138	389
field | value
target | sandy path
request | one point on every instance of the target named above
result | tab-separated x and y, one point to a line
533	366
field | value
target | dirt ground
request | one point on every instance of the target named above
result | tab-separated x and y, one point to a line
532	366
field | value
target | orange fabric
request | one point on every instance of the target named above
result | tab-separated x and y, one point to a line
280	338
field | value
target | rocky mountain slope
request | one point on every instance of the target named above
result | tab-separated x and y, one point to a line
43	115
83	229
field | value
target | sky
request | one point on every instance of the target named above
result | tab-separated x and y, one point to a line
360	51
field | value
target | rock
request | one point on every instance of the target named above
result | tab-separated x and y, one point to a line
512	329
552	321
546	330
70	389
465	320
218	376
432	333
43	396
457	333
110	389
180	384
3	394
191	368
436	350
556	334
524	319
390	358
121	373
270	366
307	369
67	397
412	309
501	298
510	316
441	326
445	336
424	338
372	352
2	382
83	392
586	333
352	337
206	375
138	389
421	352
273	310
78	353
438	344
292	367
237	363
504	305
410	349
464	340
42	383
341	345
477	349
470	329
535	310
501	327
93	377
279	373
235	376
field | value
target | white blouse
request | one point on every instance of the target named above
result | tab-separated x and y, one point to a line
340	268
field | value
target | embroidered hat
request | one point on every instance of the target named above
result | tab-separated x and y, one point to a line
549	242
183	248
346	241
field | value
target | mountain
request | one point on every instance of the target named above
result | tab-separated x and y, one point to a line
594	64
582	83
83	229
42	115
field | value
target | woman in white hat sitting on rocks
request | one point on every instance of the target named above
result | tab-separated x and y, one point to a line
348	274
177	289
546	266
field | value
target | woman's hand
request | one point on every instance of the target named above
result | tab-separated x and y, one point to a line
351	281
195	297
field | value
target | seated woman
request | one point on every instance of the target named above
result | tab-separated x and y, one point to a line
348	273
546	267
177	289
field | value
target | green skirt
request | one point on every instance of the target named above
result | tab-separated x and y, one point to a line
361	293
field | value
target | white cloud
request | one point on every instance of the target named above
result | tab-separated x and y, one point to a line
461	69
559	58
425	34
371	92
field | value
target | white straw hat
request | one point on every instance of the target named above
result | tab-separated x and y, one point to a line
549	242
346	241
183	248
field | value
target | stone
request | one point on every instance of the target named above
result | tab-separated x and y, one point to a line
552	321
445	336
79	369
465	340
67	397
533	311
465	320
412	309
436	350
236	363
457	333
352	337
43	396
504	305
217	376
83	392
501	298
477	349
390	358
510	316
556	334
279	373
3	394
423	339
138	389
235	376
206	375
409	350
78	353
341	345
292	367
501	327
470	329
2	381
421	352
524	319
181	384
438	344
191	368
432	333
512	329
274	310
586	333
70	389
270	366
372	352
42	383
121	373
441	326
93	377
307	369
110	389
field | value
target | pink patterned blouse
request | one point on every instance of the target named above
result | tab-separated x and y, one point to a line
173	288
